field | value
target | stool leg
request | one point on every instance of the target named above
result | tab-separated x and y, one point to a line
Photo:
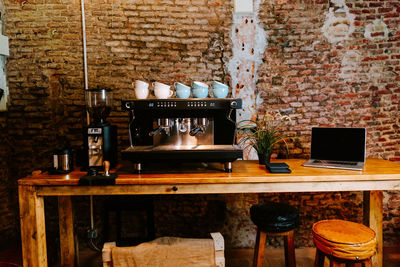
333	263
290	257
367	263
259	249
319	259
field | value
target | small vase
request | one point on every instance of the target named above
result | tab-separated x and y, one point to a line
264	158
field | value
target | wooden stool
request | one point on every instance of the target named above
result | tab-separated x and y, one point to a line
275	219
343	242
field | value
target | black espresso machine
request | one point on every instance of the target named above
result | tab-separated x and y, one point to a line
182	130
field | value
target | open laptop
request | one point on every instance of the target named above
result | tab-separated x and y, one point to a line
338	148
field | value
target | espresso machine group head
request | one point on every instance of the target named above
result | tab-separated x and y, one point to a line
100	137
178	130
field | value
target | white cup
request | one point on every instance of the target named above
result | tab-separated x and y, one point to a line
141	89
162	91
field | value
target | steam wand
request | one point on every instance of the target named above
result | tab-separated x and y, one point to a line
130	128
228	117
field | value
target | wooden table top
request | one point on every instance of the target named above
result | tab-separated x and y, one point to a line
243	172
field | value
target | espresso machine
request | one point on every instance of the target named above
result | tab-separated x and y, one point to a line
100	138
182	130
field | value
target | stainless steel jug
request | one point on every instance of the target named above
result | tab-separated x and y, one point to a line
63	160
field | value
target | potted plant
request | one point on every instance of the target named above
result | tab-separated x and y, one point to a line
262	133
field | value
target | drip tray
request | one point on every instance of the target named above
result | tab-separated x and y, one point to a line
206	153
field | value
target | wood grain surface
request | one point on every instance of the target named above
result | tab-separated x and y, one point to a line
243	172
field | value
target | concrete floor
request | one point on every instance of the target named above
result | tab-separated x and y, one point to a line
273	257
304	257
234	257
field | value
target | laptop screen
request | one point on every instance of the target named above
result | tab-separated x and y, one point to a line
342	144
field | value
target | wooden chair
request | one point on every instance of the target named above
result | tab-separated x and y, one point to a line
274	219
218	254
343	242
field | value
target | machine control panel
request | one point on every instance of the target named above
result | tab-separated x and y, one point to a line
184	104
196	104
163	104
94	130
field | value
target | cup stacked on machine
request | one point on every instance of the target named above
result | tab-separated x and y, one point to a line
181	90
197	89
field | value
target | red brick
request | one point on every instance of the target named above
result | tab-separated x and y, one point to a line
351	95
384	10
383	92
375	4
392	15
305	72
375	34
368	11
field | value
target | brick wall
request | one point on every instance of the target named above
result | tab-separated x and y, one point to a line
325	80
319	74
8	191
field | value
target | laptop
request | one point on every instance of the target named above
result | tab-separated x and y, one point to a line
337	148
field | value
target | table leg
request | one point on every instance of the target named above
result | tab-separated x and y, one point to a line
373	217
66	225
33	229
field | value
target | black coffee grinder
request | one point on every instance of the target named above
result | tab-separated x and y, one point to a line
100	138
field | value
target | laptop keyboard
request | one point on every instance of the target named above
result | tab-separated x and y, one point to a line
336	162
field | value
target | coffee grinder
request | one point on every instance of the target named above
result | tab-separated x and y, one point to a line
100	137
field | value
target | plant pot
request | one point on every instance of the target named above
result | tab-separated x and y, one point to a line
264	158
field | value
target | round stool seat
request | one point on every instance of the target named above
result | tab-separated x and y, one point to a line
344	239
274	217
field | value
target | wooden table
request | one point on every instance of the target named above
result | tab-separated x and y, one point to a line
247	177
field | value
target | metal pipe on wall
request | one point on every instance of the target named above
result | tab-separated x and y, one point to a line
84	43
92	231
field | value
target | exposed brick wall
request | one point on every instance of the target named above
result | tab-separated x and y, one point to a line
353	82
306	72
8	191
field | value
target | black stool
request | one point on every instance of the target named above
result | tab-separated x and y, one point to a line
274	219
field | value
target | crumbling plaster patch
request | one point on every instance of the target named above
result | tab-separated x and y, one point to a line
375	73
239	224
376	30
376	76
249	43
350	66
339	22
